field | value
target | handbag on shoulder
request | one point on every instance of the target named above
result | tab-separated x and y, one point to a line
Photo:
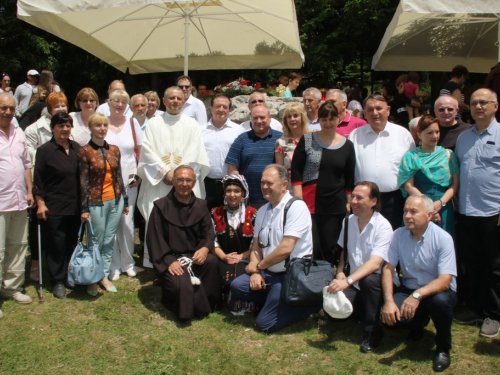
305	277
85	266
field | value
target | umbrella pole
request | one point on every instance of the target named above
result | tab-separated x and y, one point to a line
186	42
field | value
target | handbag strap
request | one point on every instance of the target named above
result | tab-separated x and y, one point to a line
136	148
80	232
285	212
346	230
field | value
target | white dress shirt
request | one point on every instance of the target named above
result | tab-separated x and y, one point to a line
217	143
298	224
275	124
196	109
378	156
374	239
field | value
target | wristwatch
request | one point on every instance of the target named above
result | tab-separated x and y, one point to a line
350	281
416	295
443	203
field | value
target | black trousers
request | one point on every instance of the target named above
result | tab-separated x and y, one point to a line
439	307
393	204
478	250
326	230
33	232
59	238
367	301
214	193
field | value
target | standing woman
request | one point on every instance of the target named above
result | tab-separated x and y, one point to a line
56	183
87	101
5	87
47	79
293	83
153	104
35	107
323	175
431	170
102	191
295	125
125	133
38	134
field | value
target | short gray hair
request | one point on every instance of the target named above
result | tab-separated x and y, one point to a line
446	97
9	95
184	166
282	171
428	203
342	94
172	88
138	96
414	122
314	91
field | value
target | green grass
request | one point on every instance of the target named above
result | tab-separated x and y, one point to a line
130	332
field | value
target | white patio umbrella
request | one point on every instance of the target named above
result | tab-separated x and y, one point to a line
148	36
436	35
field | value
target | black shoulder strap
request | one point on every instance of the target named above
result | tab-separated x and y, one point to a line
285	212
346	229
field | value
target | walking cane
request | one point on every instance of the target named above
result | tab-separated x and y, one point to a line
40	283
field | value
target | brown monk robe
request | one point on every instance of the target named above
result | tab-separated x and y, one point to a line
174	230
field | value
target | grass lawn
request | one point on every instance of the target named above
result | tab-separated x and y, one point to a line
130	332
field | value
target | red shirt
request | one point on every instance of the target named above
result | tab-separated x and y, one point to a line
348	124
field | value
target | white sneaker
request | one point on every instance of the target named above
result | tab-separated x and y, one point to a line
1	314
131	273
115	277
19	298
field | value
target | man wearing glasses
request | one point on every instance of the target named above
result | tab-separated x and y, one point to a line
192	107
446	109
180	238
255	100
104	108
272	245
478	232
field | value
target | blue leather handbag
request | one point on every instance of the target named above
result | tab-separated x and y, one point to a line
85	266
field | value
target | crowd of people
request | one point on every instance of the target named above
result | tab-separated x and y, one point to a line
405	205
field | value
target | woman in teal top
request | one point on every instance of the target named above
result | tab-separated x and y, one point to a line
293	83
431	170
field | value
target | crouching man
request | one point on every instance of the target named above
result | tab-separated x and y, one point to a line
180	238
426	256
271	246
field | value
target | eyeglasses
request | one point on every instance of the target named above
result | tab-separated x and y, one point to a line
184	180
183	87
257	101
260	243
444	109
91	101
482	103
116	101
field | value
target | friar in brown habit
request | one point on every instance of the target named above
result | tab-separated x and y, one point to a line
180	227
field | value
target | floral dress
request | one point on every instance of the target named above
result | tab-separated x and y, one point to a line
286	146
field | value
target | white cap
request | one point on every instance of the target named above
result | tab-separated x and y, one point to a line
336	304
33	72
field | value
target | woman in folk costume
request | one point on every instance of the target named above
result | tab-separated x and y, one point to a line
234	226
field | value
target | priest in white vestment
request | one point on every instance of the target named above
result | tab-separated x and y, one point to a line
170	140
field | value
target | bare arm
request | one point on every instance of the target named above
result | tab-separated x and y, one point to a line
280	158
297	191
410	186
232	169
457	94
390	311
28	178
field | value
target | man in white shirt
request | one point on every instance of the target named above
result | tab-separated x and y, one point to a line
23	92
272	244
139	107
218	136
192	107
104	107
312	99
368	240
380	147
256	99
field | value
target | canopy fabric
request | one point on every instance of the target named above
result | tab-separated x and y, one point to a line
436	35
147	36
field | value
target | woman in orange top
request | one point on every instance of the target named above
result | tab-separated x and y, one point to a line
102	191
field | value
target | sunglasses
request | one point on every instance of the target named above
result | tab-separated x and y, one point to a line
184	87
444	109
260	243
257	101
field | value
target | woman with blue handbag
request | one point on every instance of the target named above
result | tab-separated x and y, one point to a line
56	181
102	192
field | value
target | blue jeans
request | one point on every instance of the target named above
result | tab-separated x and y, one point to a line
105	221
275	314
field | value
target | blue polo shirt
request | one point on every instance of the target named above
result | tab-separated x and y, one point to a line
479	158
251	154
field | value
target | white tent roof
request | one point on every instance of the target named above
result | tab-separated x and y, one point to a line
150	35
435	35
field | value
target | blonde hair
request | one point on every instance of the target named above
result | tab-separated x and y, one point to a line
295	108
119	94
97	118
